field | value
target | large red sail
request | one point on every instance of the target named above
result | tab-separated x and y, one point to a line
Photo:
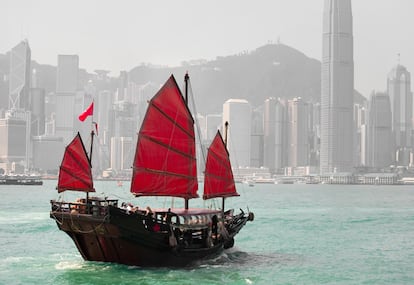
75	171
165	162
218	181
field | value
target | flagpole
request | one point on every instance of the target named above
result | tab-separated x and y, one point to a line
82	117
92	135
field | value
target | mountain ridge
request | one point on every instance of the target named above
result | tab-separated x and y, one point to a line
272	70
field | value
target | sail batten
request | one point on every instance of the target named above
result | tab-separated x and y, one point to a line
172	120
219	180
75	172
165	160
169	147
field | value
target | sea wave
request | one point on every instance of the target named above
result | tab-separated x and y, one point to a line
67	265
22	217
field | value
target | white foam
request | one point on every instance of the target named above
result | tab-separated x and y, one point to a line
65	265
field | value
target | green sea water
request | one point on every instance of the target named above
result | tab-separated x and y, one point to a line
302	234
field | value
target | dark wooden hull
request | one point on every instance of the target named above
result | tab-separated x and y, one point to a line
126	239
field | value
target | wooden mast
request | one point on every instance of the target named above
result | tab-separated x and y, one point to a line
226	128
186	78
90	159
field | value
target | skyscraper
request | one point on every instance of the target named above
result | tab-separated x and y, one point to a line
237	112
336	154
20	75
379	131
67	74
401	97
275	134
298	133
66	87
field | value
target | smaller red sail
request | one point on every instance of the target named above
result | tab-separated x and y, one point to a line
218	176
75	172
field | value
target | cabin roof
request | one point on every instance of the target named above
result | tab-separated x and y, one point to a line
188	212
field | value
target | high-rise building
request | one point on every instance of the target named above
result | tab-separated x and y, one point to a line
256	144
401	97
237	112
122	153
298	133
275	134
379	131
13	137
360	135
122	85
213	123
20	76
336	153
47	153
67	73
66	88
37	110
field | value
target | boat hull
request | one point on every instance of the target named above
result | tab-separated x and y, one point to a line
122	238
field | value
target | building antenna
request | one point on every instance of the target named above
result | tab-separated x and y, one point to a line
398	58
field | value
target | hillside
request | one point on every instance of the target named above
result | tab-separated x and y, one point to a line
273	70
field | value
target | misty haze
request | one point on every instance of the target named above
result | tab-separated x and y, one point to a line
290	114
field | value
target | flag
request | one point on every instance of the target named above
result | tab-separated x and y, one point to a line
86	113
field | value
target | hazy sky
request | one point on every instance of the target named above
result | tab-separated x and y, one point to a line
118	35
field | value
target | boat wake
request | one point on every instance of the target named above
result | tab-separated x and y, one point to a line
68	265
235	257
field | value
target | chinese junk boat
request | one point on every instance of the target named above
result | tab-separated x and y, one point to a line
164	165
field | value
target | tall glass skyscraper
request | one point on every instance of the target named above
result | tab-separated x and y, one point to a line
66	87
238	113
379	131
399	90
275	134
20	75
336	153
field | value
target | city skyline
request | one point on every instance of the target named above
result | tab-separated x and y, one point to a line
336	142
104	41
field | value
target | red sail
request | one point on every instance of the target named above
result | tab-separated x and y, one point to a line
165	162
218	181
75	171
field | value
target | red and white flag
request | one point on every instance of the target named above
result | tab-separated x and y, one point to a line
86	113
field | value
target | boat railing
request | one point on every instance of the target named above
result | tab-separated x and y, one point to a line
95	207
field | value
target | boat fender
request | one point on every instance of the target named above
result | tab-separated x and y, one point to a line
172	240
223	231
251	217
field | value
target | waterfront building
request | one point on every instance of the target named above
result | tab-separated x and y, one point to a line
238	113
360	135
37	110
13	146
256	150
298	133
47	153
122	153
315	125
213	123
275	134
401	97
337	87
380	150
